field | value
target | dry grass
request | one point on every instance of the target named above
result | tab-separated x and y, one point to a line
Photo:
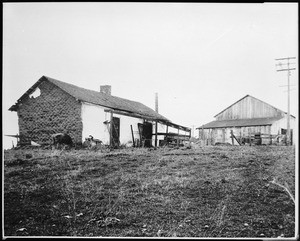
205	192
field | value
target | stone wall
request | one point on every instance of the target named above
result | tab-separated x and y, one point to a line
53	111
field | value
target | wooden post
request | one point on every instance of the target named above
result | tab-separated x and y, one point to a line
178	138
156	110
110	130
250	141
155	134
269	131
240	139
233	136
231	132
167	134
140	134
203	136
207	137
132	136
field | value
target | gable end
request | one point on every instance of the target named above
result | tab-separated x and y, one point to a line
249	107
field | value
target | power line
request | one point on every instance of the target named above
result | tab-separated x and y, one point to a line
288	58
285	85
290	90
286	69
284	64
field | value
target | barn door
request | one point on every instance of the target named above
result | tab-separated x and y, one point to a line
115	131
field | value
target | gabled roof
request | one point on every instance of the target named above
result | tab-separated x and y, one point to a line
97	98
244	98
240	122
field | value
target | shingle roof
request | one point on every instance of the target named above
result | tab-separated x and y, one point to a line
240	122
97	98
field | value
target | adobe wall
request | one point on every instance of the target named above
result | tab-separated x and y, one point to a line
53	111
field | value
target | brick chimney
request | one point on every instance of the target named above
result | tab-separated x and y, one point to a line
156	102
105	89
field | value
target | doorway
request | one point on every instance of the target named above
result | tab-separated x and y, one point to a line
145	131
115	132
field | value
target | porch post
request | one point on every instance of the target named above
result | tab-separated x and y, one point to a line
155	133
110	130
178	137
167	134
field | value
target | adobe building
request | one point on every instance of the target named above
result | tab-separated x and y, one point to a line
51	106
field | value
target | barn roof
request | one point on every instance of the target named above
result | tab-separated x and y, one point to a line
253	98
240	122
97	98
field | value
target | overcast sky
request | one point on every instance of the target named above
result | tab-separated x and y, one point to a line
200	58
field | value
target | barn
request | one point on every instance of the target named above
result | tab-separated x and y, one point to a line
52	106
248	120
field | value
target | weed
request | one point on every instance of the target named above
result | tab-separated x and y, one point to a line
167	192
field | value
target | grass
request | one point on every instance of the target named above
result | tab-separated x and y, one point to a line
205	192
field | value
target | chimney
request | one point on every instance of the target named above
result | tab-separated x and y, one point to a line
156	102
105	89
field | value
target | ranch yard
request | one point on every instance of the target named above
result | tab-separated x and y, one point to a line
211	191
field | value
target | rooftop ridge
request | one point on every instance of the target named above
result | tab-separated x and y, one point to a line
96	98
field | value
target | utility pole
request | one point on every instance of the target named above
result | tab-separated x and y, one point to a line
288	69
156	110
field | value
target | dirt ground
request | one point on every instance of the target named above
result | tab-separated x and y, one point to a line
212	191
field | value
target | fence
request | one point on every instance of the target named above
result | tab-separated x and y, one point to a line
261	139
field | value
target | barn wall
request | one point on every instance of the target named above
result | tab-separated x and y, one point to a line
223	135
282	124
52	111
211	136
249	107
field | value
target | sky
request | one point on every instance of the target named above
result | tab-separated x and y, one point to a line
199	57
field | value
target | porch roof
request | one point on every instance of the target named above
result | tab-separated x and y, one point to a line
240	122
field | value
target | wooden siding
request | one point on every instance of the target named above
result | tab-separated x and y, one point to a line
249	107
223	135
212	136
